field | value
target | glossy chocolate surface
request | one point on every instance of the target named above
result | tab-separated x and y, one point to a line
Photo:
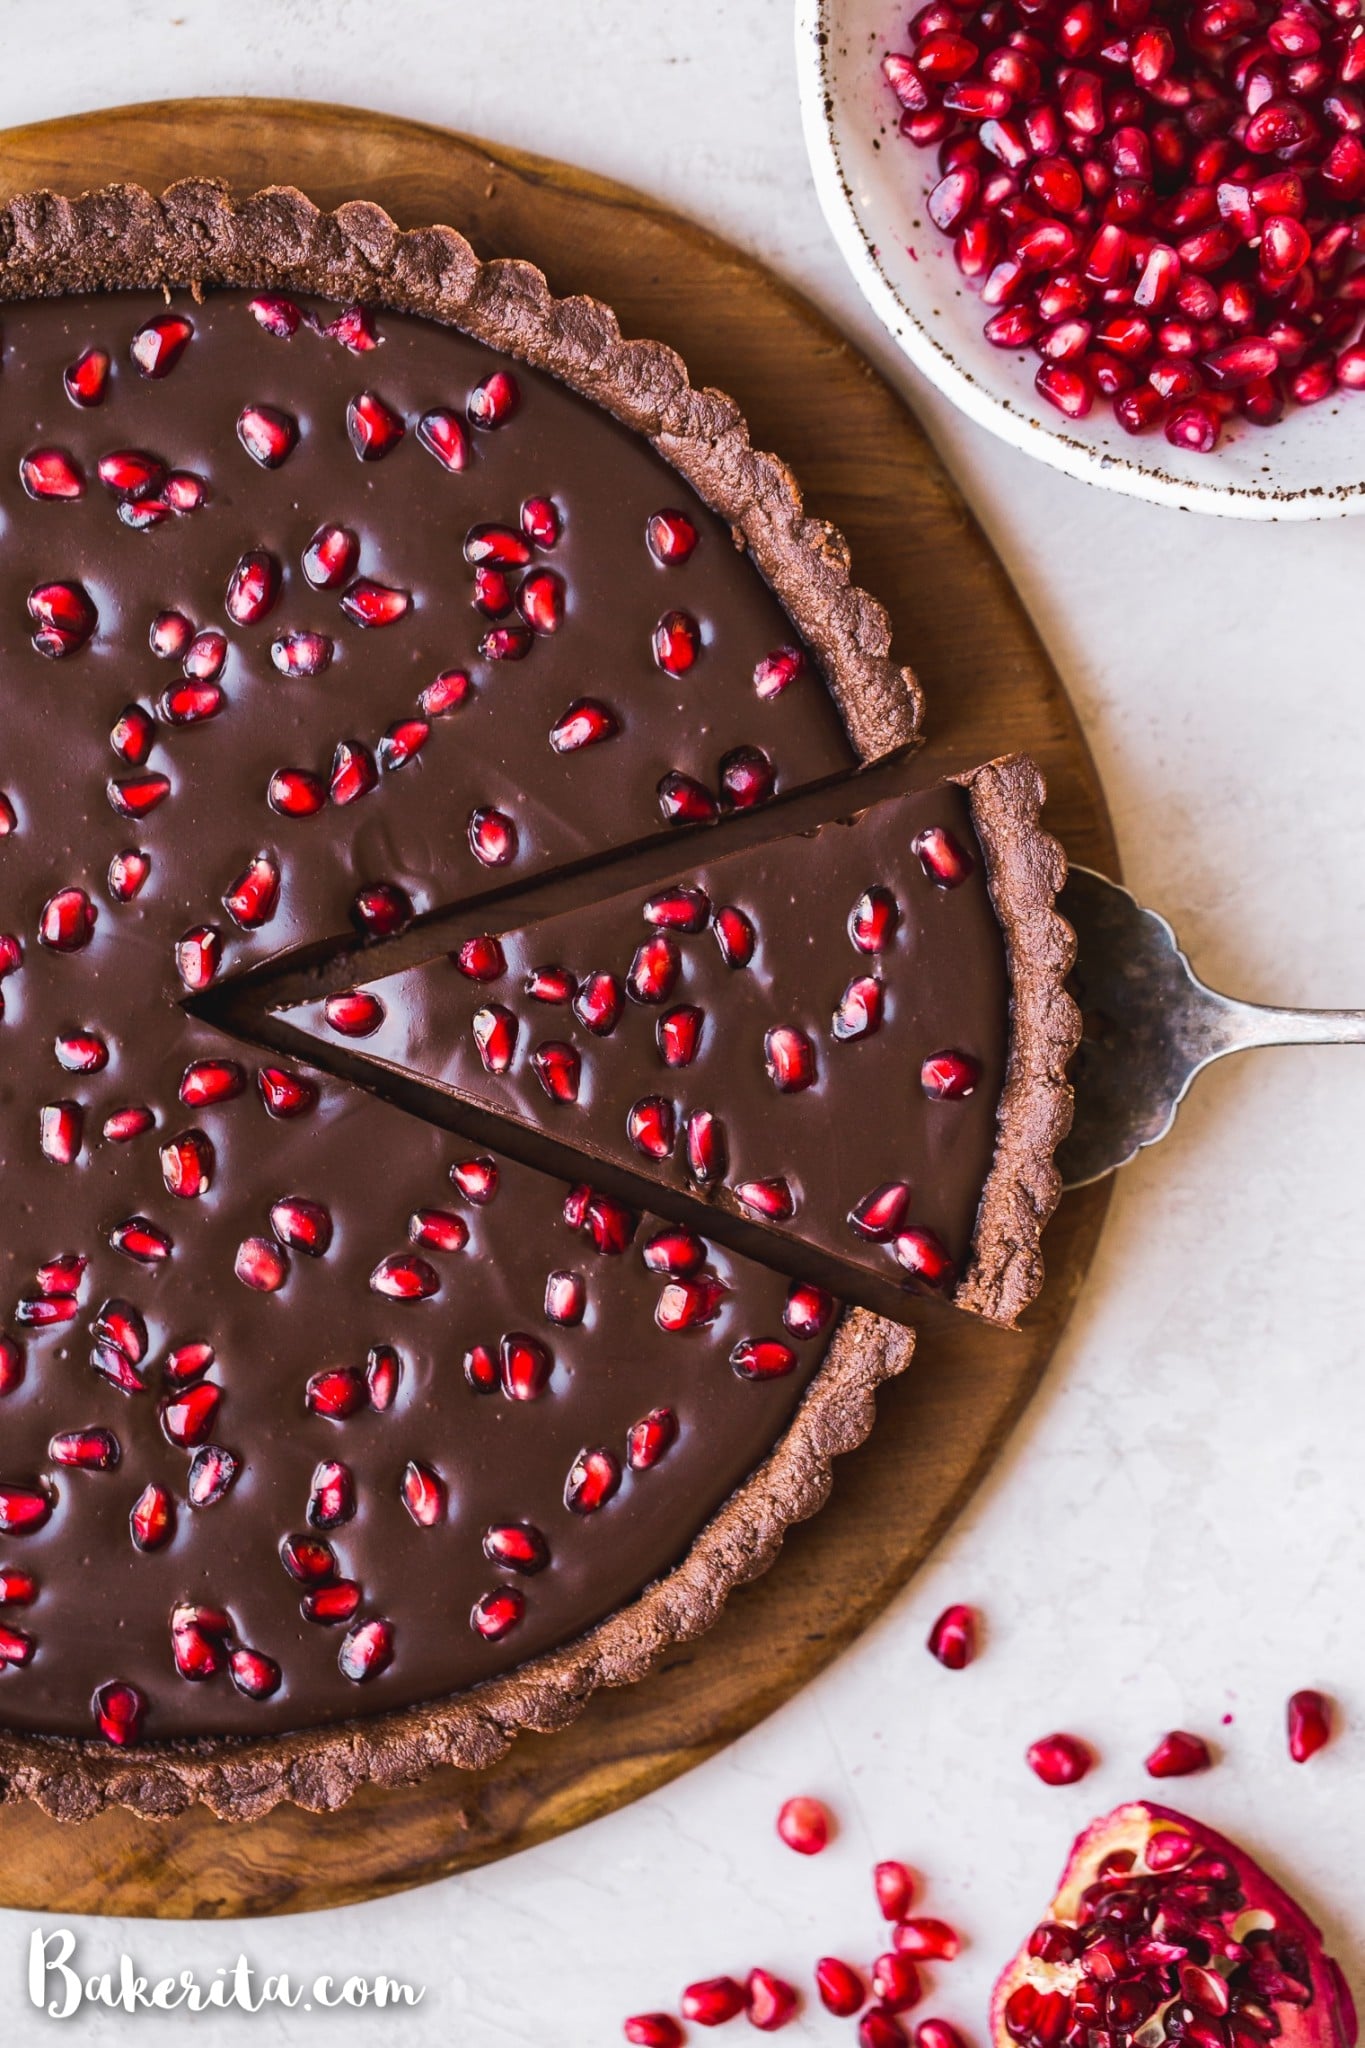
103	1607
869	1116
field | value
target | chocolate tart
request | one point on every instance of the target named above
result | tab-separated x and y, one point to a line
326	602
856	1037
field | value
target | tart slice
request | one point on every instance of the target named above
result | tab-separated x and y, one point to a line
855	1037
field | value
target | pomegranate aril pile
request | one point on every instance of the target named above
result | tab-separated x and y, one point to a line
1164	202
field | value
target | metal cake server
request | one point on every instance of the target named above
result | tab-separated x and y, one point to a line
1151	1025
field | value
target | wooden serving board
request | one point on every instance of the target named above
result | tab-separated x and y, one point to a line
865	463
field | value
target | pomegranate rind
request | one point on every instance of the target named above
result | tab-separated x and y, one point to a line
1328	2022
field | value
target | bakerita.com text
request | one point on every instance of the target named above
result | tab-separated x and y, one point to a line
59	1985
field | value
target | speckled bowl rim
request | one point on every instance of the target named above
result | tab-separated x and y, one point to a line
1052	445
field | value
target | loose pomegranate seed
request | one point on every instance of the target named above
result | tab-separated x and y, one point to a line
495	1034
880	2029
261	1265
182	492
952	1639
354	1013
252	588
481	959
267	434
712	2001
807	1309
331	1498
927	1941
481	1370
370	604
132	734
895	1982
1059	1759
442	434
492	837
198	956
593	1479
653	2030
586	722
803	1825
769	2001
330	557
841	1989
648	1439
186	1363
762	1358
677	643
517	1546
366	1651
1308	1719
1178	1755
493	402
17	1588
191	703
285	1095
894	1885
119	1712
936	2033
540	601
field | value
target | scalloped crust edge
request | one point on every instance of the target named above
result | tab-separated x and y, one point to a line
1025	869
321	1768
122	237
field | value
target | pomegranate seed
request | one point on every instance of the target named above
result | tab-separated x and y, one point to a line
841	1989
492	837
551	985
706	1150
924	1257
935	2033
61	1125
252	899
137	796
880	2029
266	434
747	778
895	1889
873	920
67	921
1308	1719
481	959
648	1439
678	1033
424	1494
354	329
443	436
212	1474
494	1614
62	1275
381	910
285	1095
12	1372
119	1712
204	657
789	1059
254	1674
804	1825
402	1278
85	1450
301	654
653	2030
188	1419
1059	1759
64	616
45	1311
51	473
308	1559
593	1479
182	492
610	1225
807	1309
302	1225
187	1165
558	1068
198	956
927	1941
495	1034
481	1370
878	1215
735	935
540	601
82	1053
769	2001
130	473
949	1076
438	1230
671	537
402	743
584	724
22	1510
374	428
566	1299
772	1200
252	588
599	1003
330	557
651	1126
17	1588
952	1639
895	1982
476	1179
369	604
331	1606
687	1304
524	1366
276	314
261	1265
492	593
151	1522
713	2001
685	801
675	1252
186	1363
493	402
654	970
87	379
676	643
366	1651
777	671
157	347
762	1358
331	1499
859	1014
191	703
354	1013
383	1371
1178	1755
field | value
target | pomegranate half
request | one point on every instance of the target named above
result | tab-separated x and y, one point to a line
1164	1931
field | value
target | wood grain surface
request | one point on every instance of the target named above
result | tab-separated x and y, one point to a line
865	463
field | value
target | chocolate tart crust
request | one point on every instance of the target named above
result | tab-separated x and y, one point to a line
321	1768
1025	869
196	236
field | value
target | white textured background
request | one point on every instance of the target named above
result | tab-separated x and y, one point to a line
1176	1531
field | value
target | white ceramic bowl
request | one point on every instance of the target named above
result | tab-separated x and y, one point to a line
872	185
